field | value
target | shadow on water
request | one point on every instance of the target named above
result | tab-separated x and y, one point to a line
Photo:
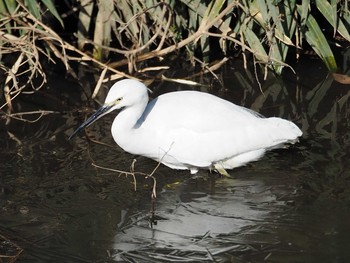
291	206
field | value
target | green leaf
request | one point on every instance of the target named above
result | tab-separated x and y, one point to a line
126	17
253	9
289	18
193	18
277	54
334	15
197	6
84	21
345	14
265	15
3	9
304	12
204	40
215	10
33	8
258	9
210	14
279	49
268	16
327	11
318	42
102	34
239	24
280	31
51	7
255	44
11	6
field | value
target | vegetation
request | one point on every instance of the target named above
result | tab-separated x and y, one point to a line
113	34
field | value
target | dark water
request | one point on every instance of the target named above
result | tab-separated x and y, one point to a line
291	206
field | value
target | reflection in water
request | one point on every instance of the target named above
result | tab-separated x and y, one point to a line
201	219
291	206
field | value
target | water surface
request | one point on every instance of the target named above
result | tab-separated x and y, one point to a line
291	206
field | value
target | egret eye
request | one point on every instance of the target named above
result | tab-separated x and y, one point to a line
118	100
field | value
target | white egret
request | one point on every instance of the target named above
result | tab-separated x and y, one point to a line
190	129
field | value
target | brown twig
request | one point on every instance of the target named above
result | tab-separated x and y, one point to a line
177	46
19	115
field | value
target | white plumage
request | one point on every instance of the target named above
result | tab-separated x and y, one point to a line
189	129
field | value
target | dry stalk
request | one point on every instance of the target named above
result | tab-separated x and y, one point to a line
19	115
134	52
121	172
133	174
177	46
28	61
99	83
27	64
278	62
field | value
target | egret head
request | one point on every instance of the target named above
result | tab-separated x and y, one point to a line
124	93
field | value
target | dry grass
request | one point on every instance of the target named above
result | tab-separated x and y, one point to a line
26	53
140	31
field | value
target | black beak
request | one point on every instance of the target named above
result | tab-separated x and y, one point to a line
94	117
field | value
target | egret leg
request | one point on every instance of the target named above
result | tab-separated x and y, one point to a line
220	169
194	170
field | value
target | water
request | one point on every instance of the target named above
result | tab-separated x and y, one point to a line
291	206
